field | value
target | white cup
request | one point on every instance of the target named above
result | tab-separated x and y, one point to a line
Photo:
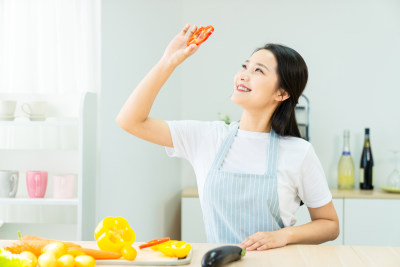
7	110
8	183
35	110
64	186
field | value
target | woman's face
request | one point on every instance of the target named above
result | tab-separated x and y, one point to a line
256	84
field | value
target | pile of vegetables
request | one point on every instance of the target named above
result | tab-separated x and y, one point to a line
114	234
33	251
114	238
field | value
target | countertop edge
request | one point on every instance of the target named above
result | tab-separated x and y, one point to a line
192	192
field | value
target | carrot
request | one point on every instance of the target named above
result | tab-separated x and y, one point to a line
96	253
34	237
34	246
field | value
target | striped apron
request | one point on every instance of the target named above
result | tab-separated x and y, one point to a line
237	205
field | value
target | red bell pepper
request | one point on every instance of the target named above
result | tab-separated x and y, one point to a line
154	242
200	36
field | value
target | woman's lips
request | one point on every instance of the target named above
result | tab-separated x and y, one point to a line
242	88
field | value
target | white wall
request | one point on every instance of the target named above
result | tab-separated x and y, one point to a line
138	181
351	49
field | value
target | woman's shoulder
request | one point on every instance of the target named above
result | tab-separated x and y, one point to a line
295	146
295	142
219	128
202	127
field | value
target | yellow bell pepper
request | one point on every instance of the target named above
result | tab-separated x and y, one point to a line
113	233
174	248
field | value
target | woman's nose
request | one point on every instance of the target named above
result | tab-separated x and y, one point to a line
244	76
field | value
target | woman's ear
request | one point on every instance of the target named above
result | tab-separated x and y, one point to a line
282	95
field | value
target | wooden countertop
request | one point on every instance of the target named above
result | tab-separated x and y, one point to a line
299	255
336	193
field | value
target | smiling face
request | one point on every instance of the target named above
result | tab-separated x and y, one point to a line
256	85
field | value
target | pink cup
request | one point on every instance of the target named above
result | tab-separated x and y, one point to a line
63	186
36	181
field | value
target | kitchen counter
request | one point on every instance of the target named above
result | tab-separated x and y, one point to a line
299	255
336	193
310	255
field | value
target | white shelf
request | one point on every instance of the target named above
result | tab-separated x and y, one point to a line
39	201
79	138
17	122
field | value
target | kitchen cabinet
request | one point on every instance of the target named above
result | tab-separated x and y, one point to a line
372	222
365	217
68	219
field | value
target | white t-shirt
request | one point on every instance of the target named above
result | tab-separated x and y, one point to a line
299	171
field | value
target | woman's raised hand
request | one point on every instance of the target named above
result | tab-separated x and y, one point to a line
177	50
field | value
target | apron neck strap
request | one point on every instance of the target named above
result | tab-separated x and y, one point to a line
224	148
272	150
272	153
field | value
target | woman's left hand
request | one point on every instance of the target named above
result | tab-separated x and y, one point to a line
265	240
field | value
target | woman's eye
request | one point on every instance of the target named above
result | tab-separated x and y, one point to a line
258	69
244	66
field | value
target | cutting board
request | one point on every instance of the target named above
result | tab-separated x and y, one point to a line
148	257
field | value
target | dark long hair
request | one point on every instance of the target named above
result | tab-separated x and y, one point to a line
292	77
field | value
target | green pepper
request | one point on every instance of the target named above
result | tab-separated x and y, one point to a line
7	259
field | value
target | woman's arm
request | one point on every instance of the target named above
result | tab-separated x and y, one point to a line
133	116
323	227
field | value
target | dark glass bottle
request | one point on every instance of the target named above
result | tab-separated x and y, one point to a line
367	164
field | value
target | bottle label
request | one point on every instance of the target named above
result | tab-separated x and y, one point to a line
346	153
361	175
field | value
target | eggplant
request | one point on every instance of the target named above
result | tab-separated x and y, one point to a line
222	255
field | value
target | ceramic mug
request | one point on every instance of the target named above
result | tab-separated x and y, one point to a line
36	182
7	110
8	183
64	186
36	110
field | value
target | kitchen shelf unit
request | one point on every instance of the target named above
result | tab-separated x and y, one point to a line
86	165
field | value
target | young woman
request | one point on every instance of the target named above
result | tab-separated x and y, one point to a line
253	174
